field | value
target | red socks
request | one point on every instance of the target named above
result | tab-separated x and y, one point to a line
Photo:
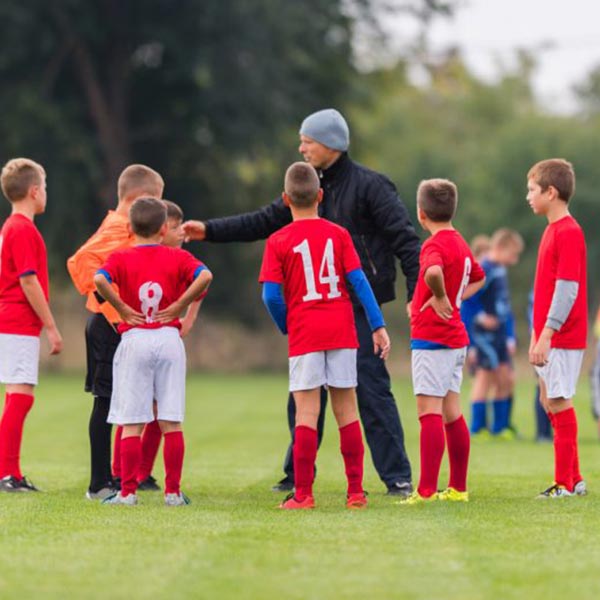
16	407
173	451
131	454
305	454
116	463
565	447
353	451
459	445
150	442
432	450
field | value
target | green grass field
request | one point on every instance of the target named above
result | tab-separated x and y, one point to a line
233	543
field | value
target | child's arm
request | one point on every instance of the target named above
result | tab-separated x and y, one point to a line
439	302
473	288
195	289
190	317
364	292
129	316
272	296
32	289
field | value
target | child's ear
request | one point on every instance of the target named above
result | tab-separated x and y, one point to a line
163	229
320	196
286	199
129	228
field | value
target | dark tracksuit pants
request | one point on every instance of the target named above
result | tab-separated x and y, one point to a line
378	412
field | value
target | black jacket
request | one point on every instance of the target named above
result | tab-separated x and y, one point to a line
366	204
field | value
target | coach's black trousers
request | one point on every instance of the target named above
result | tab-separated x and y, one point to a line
378	412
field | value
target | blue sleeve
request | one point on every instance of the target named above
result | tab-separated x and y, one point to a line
510	326
364	293
272	296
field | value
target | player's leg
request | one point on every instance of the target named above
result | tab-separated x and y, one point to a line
116	458
173	455
482	382
595	387
19	362
151	438
501	400
543	428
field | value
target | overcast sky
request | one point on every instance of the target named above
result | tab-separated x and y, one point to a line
566	34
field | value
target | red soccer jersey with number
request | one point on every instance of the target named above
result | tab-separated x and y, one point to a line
150	278
311	258
562	255
448	250
23	252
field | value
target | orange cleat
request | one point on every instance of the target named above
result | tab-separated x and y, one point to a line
356	501
292	503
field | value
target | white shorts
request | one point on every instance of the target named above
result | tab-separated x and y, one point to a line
149	365
561	373
19	358
437	372
336	368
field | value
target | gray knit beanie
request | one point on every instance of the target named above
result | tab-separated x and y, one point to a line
327	127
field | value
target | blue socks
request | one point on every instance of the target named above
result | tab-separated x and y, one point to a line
501	414
478	416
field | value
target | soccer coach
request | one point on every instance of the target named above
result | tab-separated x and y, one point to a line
367	205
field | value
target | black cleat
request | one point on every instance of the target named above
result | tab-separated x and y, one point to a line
116	484
403	489
285	485
148	485
12	484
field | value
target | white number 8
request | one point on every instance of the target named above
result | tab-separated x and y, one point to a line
150	295
464	283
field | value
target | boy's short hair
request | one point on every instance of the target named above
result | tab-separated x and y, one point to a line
302	184
438	199
504	237
140	179
480	244
18	175
555	172
147	216
173	210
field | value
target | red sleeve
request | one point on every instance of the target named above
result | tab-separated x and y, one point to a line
113	267
477	272
188	265
571	244
271	269
26	251
350	258
431	255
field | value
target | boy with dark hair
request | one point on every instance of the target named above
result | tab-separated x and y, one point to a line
101	335
311	258
559	334
24	310
156	284
448	273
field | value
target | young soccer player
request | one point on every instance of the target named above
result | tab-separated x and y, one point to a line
155	284
311	258
559	334
448	273
492	334
595	375
24	310
101	334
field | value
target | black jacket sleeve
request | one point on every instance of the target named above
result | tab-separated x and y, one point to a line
251	226
393	224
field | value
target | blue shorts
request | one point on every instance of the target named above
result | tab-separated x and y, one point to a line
492	350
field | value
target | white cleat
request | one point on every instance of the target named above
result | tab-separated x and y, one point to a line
177	499
129	500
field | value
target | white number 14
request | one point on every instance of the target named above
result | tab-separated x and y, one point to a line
327	274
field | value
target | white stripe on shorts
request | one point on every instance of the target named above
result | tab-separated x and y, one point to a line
561	373
437	372
19	358
336	368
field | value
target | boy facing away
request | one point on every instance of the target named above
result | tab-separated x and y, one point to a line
559	334
448	273
311	258
101	337
155	284
24	310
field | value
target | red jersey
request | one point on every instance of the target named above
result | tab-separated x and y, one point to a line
562	255
150	278
448	250
311	258
22	252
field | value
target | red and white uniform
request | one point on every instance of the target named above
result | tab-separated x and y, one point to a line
22	252
562	255
311	258
448	250
150	278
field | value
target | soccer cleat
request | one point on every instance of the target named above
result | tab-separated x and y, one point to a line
580	488
102	493
400	488
555	491
483	435
129	500
148	485
452	495
285	485
416	498
12	484
116	483
356	501
177	499
291	503
507	435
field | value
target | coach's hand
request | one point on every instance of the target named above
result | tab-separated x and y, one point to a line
55	340
441	306
194	230
381	343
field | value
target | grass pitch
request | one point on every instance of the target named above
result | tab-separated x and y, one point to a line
233	543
